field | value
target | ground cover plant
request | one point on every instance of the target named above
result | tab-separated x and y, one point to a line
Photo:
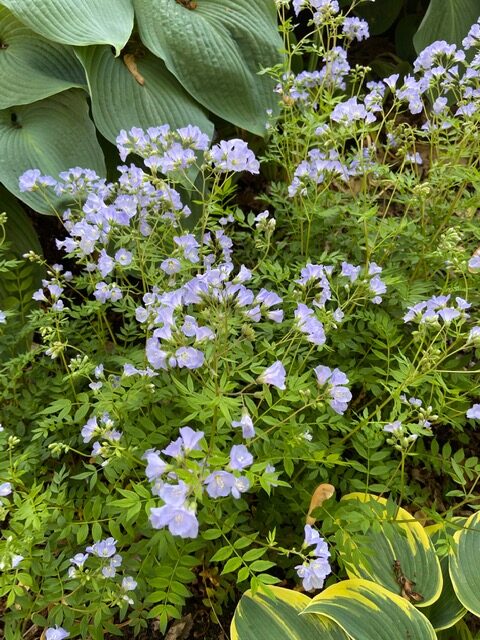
208	398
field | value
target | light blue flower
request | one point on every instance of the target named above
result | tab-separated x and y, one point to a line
393	427
174	494
274	375
474	412
79	559
248	430
129	584
56	633
5	489
104	548
16	559
179	520
219	484
240	457
313	574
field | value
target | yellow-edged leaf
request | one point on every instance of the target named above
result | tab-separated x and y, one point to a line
368	611
401	540
261	617
464	564
447	610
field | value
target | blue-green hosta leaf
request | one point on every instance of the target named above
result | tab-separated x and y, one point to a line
447	20
31	67
259	617
381	15
80	22
52	135
216	51
149	96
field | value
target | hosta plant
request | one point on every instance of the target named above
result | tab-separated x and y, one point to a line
399	561
136	63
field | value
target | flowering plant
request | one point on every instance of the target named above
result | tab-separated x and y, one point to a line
198	369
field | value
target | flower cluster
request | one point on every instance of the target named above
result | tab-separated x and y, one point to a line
430	312
355	29
178	512
322	9
307	323
168	151
325	166
137	201
233	155
180	481
423	416
170	318
318	277
164	150
335	381
352	110
400	437
107	565
53	288
440	70
319	166
314	571
300	88
375	284
107	436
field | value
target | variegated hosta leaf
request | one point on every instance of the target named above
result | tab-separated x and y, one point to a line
368	611
465	564
260	617
120	100
31	67
216	51
402	539
447	610
80	22
51	135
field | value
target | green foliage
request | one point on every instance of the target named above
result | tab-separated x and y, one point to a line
54	133
195	381
363	607
447	20
19	278
207	60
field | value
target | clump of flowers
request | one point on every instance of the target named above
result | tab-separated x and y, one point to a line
176	307
316	567
181	481
107	437
431	312
334	382
85	569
